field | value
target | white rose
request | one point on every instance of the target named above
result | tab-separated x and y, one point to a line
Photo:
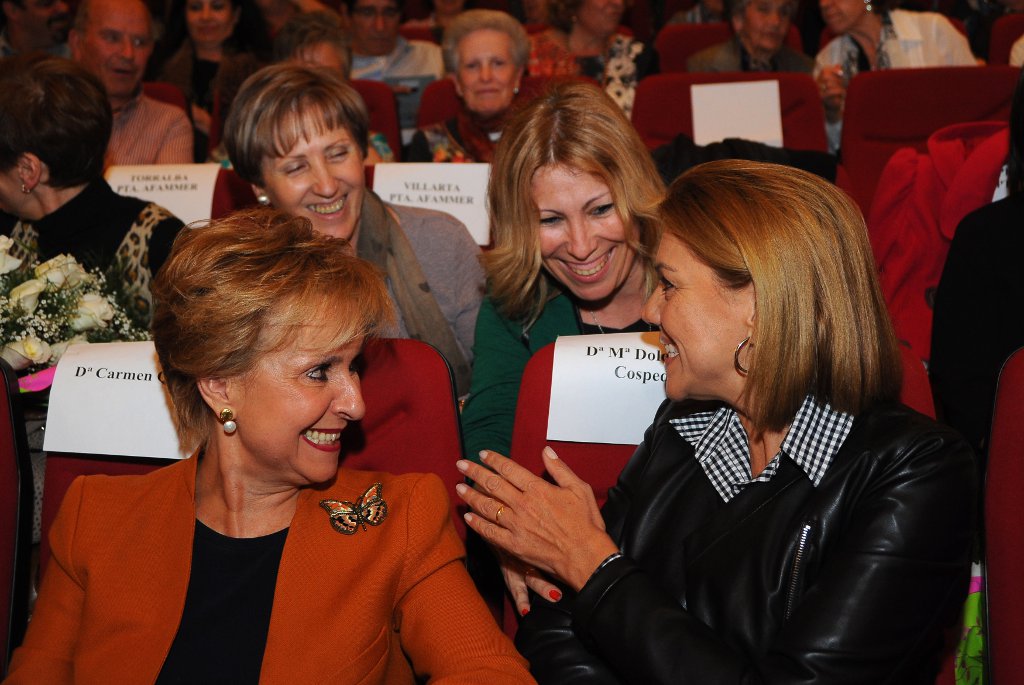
21	354
61	269
7	262
93	312
26	295
57	350
6	243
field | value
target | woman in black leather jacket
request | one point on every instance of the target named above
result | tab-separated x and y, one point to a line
785	519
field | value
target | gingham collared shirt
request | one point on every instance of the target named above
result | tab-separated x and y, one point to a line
721	447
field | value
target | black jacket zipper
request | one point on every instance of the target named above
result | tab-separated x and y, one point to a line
794	577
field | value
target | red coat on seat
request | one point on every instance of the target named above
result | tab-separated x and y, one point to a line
920	200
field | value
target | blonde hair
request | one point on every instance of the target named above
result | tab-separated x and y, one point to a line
576	125
821	326
246	285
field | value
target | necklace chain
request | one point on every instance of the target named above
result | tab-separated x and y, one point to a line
593	315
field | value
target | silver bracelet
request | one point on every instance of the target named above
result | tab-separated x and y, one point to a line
609	559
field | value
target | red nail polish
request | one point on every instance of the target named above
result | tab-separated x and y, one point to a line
555	595
524	612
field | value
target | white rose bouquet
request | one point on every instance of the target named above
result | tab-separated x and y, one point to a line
46	307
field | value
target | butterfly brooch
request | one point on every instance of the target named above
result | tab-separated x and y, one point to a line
347	517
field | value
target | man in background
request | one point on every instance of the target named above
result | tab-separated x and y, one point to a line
30	25
114	39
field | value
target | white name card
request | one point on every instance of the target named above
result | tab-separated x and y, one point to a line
746	109
185	190
605	388
458	189
109	399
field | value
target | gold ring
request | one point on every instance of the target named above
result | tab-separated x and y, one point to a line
497	514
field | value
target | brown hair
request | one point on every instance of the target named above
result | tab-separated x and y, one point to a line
246	285
821	326
283	102
58	111
576	125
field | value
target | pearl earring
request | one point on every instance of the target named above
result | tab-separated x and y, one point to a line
263	199
227	417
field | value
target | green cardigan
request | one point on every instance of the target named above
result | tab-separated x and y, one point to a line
500	352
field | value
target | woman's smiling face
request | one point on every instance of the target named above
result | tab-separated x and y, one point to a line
584	243
702	321
293	407
321	178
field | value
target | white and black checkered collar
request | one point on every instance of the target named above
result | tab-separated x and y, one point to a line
721	448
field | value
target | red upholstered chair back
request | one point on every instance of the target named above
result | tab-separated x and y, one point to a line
439	103
411	426
412	420
230	193
917	389
676	43
887	110
663	108
1004	511
16	494
383	109
1005	32
597	464
422	33
166	92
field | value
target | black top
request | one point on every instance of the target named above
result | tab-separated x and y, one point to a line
675	157
91	226
850	581
224	625
978	321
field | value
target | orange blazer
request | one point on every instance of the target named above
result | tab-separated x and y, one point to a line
389	604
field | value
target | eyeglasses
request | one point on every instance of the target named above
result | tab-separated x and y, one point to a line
370	12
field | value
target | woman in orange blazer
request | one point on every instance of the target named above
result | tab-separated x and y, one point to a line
258	560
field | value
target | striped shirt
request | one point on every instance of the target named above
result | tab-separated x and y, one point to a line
150	132
721	446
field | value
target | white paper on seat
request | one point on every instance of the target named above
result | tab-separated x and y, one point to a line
185	190
605	388
108	399
745	109
459	189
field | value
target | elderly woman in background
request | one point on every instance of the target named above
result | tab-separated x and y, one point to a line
584	39
211	46
299	136
228	565
53	136
319	39
873	36
485	52
785	518
572	196
760	27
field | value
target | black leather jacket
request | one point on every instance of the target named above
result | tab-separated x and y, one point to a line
852	581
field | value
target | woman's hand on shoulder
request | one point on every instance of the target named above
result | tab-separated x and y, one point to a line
553	527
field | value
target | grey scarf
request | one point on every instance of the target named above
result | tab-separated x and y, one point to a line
382	242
